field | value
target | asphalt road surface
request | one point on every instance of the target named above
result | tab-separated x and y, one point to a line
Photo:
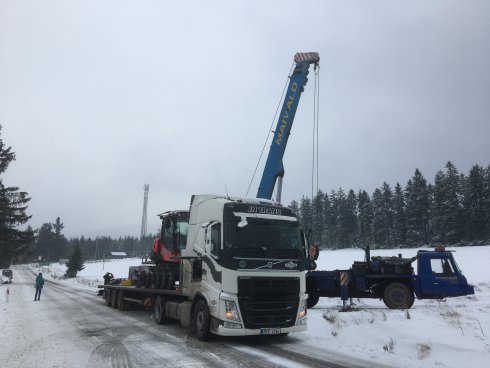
74	328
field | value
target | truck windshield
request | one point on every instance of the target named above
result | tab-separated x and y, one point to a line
263	238
181	233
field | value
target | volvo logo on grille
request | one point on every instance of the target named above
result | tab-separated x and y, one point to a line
269	264
291	265
242	264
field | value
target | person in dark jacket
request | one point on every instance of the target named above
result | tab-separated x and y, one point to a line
39	286
108	277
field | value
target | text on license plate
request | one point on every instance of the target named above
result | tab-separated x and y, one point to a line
270	331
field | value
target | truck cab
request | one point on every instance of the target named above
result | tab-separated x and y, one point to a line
438	276
246	269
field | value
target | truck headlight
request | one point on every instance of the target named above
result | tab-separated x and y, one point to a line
231	311
302	309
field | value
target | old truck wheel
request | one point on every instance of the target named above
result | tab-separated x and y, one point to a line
312	300
121	303
108	297
169	281
114	298
398	296
159	310
201	320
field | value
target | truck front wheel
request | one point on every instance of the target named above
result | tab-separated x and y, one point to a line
398	296
201	320
159	310
312	300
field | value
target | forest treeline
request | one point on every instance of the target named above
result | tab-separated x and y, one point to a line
453	210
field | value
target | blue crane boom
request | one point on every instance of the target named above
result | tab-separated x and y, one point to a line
274	168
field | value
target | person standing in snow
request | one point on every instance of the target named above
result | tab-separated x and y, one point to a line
39	286
108	277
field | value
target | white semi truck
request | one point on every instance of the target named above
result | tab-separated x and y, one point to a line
238	269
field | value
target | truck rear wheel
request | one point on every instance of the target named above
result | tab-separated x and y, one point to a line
201	320
398	296
108	299
312	300
114	298
121	303
159	310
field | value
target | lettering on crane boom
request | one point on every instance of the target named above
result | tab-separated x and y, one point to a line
285	117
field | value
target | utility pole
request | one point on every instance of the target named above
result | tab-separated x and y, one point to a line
146	187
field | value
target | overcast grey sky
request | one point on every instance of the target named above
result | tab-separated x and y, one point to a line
98	98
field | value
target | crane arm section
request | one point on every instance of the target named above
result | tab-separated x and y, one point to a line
274	168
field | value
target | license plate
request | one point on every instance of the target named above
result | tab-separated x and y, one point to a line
270	331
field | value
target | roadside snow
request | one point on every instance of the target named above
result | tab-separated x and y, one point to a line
451	333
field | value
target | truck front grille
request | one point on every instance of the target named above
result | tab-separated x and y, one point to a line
268	301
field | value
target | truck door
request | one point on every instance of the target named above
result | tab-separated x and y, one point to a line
440	277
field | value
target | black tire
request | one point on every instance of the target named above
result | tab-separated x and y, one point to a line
313	299
121	303
398	296
159	310
169	281
114	299
161	281
108	297
201	320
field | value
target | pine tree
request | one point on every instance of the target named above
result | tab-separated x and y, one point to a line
453	216
365	219
45	240
327	240
477	217
350	225
306	211
59	240
399	217
417	210
76	262
486	195
318	220
13	206
437	208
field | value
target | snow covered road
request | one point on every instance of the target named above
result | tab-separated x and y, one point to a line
73	327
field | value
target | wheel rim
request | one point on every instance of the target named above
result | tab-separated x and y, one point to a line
200	320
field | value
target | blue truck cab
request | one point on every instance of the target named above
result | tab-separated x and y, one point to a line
438	276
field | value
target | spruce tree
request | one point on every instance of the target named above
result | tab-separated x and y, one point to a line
327	240
417	210
476	212
399	217
59	240
453	214
44	242
75	263
13	206
318	220
365	218
350	226
306	211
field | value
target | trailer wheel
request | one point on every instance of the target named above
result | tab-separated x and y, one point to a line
114	299
398	296
108	297
312	300
169	281
159	310
121	303
201	320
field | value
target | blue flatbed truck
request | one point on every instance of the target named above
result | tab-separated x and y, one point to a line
392	279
